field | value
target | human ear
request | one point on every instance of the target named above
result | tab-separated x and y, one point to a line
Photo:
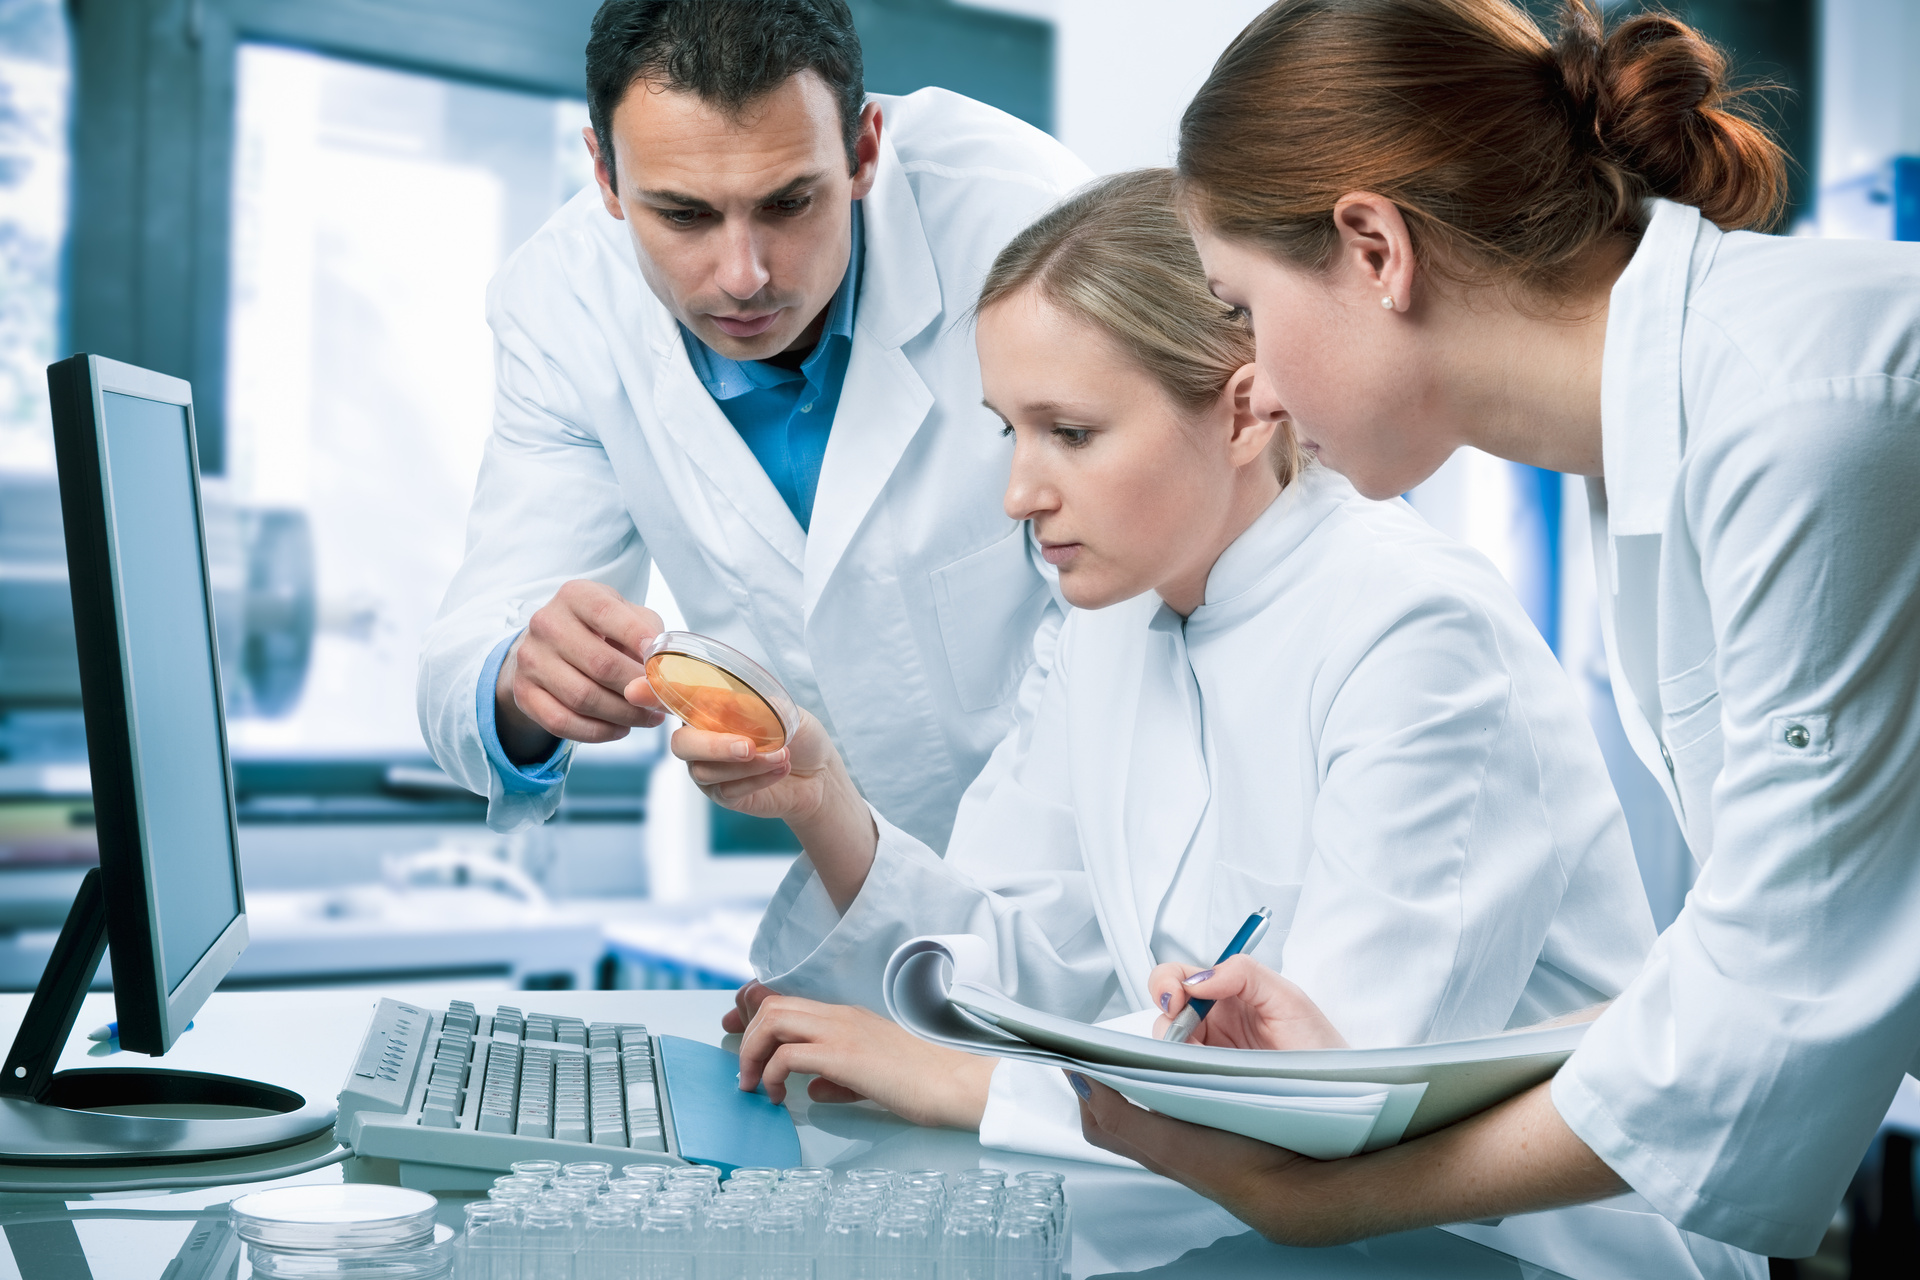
866	151
1376	249
1254	414
603	174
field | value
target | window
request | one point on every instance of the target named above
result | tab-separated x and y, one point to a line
370	209
34	80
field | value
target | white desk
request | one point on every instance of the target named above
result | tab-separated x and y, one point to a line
1126	1223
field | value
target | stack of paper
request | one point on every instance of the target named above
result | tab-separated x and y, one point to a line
1324	1103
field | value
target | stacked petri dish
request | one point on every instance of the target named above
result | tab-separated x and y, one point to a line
361	1231
648	1223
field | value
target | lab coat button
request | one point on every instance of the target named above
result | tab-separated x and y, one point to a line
1797	735
1665	758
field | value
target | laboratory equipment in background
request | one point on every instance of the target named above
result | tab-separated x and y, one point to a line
167	896
457	1095
260	561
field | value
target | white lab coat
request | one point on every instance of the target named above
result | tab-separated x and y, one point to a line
1758	544
906	616
1361	729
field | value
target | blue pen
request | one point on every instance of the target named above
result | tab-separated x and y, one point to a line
1246	940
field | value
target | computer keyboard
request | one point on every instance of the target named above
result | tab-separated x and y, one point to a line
456	1095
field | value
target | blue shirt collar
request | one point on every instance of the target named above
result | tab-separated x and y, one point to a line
727	379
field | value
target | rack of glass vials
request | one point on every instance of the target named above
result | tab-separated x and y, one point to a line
586	1222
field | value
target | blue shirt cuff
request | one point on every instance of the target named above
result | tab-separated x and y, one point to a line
521	779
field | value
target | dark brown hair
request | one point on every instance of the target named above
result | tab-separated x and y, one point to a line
730	53
1117	255
1512	156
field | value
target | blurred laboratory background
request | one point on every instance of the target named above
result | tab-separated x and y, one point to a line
297	205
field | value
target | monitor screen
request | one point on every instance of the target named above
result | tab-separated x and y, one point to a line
179	764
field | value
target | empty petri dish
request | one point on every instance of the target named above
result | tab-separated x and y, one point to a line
715	687
432	1259
345	1218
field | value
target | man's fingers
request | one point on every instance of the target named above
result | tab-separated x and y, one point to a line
547	711
626	626
541	666
639	692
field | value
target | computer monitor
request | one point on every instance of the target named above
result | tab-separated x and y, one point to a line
150	684
167	895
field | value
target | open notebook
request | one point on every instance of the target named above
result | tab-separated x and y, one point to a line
1324	1103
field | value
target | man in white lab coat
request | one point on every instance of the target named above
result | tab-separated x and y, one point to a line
745	358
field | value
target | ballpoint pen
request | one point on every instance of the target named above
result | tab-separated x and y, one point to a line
1246	940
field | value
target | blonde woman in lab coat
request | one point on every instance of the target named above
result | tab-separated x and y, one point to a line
1545	242
1271	692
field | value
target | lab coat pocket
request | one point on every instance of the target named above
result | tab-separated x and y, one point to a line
1236	895
989	604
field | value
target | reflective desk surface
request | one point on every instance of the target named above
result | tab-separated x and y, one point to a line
1126	1223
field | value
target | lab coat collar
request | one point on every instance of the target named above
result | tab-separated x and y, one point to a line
899	286
1141	698
883	400
1642	423
1258	553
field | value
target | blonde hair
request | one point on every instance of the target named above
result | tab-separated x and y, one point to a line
1117	255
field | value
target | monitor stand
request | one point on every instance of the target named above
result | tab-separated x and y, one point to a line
103	1116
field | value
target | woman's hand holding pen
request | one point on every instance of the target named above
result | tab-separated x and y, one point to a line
804	783
1254	1007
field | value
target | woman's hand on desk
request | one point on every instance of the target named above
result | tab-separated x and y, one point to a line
804	784
858	1055
1254	1007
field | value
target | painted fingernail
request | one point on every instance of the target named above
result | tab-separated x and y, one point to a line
1166	998
742	750
1197	978
1080	1086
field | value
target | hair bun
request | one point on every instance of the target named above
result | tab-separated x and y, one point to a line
1652	99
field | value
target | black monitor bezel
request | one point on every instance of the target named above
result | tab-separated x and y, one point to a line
150	1017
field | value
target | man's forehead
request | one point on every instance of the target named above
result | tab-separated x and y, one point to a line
667	137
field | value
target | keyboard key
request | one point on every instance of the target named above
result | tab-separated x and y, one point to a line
535	1115
539	1027
570	1098
508	1021
570	1031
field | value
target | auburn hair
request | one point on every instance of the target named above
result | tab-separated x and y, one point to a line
1508	154
1117	255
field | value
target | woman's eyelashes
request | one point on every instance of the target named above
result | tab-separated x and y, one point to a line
1068	437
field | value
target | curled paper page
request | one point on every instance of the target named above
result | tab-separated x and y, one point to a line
1323	1103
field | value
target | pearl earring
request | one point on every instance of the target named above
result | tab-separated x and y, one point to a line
1387	302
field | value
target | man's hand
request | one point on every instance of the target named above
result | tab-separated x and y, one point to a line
567	676
1254	1007
859	1055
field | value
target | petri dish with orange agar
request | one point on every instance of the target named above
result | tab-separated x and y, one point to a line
715	687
